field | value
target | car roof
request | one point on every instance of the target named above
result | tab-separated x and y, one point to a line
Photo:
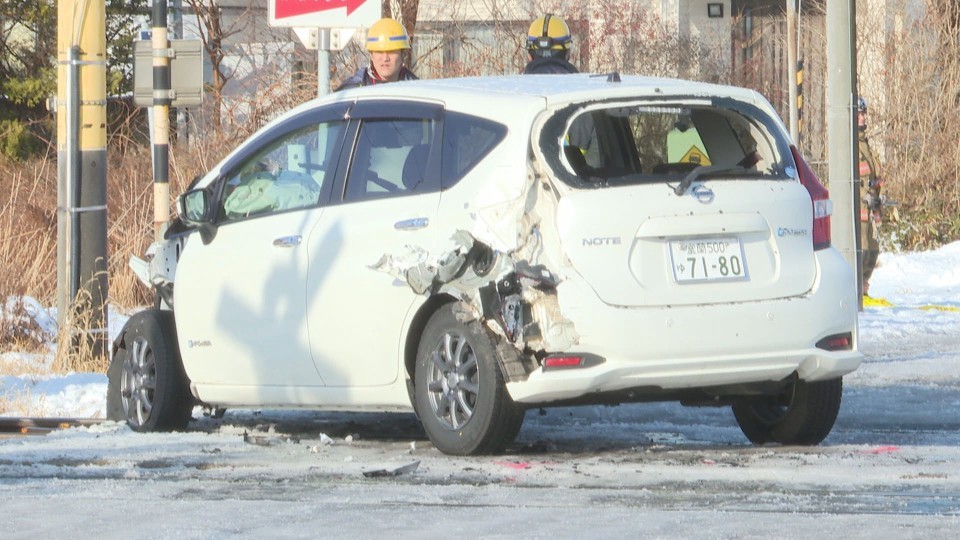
549	90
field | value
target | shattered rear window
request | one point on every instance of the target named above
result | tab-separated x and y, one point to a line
599	145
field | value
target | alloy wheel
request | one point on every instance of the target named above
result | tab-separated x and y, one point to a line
139	383
454	380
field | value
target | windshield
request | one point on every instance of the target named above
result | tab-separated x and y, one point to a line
603	144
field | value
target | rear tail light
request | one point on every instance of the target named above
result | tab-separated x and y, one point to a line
838	342
571	361
822	205
563	361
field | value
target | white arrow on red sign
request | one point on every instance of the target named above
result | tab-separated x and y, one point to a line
292	8
323	13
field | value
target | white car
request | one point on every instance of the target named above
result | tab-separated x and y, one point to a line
470	248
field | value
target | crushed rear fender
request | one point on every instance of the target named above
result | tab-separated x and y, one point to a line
511	288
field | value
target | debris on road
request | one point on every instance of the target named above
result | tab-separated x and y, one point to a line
404	469
269	439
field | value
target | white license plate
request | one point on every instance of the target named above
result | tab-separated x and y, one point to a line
707	259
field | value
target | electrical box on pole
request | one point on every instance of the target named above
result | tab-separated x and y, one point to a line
186	72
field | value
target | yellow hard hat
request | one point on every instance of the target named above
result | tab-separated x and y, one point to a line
548	36
387	35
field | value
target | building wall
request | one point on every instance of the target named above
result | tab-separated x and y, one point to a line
714	33
682	16
259	61
694	18
479	10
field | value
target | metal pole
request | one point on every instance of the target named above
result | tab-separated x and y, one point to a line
82	172
65	165
323	61
792	71
73	170
841	128
855	149
161	121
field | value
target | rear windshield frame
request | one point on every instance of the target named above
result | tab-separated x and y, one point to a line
556	126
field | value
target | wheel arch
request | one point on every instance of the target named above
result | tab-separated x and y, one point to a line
417	325
121	339
513	365
158	378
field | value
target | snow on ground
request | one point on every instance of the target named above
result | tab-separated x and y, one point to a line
41	393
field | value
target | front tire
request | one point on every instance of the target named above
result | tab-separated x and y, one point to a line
803	414
147	386
459	389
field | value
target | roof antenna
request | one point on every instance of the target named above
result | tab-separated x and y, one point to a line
613	76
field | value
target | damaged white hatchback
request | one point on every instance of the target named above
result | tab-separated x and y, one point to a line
470	248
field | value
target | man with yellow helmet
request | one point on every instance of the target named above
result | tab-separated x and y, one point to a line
387	42
548	44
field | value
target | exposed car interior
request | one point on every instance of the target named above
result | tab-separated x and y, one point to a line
390	157
637	144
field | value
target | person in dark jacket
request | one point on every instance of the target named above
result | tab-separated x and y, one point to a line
388	45
548	44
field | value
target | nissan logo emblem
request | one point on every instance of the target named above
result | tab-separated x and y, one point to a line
703	194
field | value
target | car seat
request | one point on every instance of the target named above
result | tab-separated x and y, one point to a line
415	167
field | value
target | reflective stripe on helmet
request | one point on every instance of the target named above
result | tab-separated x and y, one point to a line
548	33
387	35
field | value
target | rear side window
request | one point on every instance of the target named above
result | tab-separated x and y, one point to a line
466	140
640	143
391	158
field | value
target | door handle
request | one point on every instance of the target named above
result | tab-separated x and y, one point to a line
412	224
288	241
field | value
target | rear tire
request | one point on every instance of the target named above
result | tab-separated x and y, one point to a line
459	389
147	386
803	414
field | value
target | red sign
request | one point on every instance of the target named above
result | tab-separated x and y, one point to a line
292	8
323	13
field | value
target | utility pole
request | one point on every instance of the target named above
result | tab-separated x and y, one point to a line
162	99
82	173
841	129
792	70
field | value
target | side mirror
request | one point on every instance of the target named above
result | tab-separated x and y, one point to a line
194	207
196	210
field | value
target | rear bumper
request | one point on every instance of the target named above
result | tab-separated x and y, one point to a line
704	345
675	374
